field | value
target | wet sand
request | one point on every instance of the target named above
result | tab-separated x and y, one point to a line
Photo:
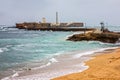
102	67
64	64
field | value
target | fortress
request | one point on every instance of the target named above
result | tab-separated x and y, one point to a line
44	24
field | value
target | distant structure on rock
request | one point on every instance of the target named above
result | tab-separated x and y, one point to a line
102	26
44	24
57	23
43	20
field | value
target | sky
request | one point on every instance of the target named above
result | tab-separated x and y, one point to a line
91	12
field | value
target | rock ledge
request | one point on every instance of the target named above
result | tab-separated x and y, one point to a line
107	37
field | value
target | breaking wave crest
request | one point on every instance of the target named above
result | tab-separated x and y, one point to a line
10	77
92	52
3	49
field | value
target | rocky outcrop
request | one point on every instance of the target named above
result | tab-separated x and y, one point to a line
107	37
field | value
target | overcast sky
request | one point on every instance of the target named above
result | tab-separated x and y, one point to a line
92	12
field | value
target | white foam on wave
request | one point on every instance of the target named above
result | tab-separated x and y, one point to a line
11	77
97	42
52	60
59	53
5	49
43	66
48	64
1	50
92	52
52	74
93	42
78	32
117	44
15	75
102	43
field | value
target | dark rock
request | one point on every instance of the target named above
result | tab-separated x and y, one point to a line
107	37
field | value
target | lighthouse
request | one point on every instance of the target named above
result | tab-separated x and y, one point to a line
43	20
57	23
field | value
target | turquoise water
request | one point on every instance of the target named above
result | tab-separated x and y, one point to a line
21	46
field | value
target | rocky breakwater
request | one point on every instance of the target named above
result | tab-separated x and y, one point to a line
107	37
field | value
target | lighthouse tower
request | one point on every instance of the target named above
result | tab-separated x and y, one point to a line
57	23
43	20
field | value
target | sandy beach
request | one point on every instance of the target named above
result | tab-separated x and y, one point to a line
101	64
102	67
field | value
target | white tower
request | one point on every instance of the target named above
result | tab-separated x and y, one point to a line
57	18
43	20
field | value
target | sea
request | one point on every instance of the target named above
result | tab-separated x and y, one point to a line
26	49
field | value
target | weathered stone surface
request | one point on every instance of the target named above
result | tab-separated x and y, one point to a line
107	37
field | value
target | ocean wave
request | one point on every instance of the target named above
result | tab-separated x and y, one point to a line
59	53
52	60
78	32
3	49
92	52
28	48
3	29
48	64
11	77
117	44
102	43
97	42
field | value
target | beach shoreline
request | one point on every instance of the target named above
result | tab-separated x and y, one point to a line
102	67
66	64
